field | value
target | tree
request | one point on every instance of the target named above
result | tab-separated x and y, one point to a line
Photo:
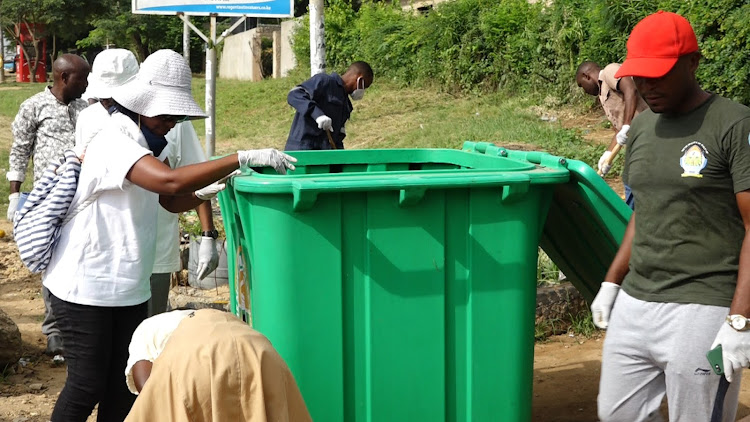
65	19
143	34
70	20
24	16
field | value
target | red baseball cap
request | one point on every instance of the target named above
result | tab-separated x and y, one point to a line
655	44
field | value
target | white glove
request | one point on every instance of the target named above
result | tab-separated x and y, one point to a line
267	157
208	192
735	347
622	135
324	122
602	304
208	257
604	168
13	199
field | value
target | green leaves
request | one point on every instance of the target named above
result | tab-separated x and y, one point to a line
484	45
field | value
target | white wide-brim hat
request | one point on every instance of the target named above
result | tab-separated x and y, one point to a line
162	87
111	69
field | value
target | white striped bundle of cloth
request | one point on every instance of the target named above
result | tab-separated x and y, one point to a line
36	226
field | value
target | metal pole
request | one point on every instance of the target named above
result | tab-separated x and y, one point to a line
186	39
2	53
317	38
211	89
276	54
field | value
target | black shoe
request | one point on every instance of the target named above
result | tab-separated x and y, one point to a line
54	346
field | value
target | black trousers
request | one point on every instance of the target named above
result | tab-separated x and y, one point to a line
96	353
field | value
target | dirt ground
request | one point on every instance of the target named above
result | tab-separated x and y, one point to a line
566	369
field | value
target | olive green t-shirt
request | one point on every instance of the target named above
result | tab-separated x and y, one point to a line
684	172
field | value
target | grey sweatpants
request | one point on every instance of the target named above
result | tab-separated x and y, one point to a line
652	349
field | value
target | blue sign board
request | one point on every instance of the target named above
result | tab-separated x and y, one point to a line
256	8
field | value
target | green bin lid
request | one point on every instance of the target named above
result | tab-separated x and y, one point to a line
585	224
412	172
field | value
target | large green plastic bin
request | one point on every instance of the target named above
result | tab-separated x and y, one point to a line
585	224
398	285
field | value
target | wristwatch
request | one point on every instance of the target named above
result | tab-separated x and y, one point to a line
211	233
738	322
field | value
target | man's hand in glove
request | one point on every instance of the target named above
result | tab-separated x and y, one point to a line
622	135
735	347
12	205
324	122
604	168
601	307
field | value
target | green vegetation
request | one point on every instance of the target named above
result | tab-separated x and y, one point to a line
511	45
578	325
547	272
544	327
583	325
13	94
6	371
256	115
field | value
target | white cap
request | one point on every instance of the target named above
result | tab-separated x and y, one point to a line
111	69
162	87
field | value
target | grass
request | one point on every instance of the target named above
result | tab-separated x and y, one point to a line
582	324
579	325
6	372
12	94
547	272
255	115
544	327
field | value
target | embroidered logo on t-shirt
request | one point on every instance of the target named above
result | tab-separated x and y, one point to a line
693	159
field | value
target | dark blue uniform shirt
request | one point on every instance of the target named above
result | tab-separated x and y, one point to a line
319	95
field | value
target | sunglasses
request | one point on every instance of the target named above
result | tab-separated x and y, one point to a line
174	119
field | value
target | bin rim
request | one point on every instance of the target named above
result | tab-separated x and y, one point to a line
523	172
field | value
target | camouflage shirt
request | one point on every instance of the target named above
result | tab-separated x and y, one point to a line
43	128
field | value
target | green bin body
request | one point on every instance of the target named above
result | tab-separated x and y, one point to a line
398	285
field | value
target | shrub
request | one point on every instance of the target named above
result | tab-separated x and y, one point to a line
485	45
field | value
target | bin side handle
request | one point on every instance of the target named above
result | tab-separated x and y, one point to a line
511	193
411	189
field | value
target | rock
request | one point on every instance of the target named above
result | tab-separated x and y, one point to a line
37	386
10	341
21	419
555	307
191	298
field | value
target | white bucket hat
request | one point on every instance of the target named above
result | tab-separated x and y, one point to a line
111	69
162	87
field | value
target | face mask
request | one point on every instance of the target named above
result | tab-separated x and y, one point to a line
359	92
